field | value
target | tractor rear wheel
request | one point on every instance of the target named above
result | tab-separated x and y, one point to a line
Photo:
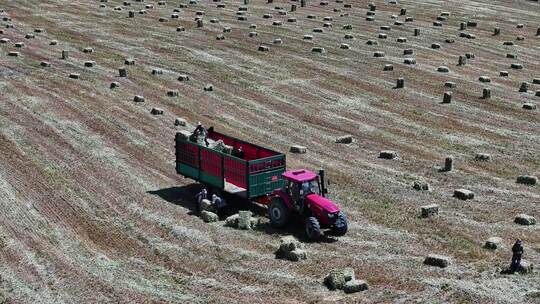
278	213
340	226
313	229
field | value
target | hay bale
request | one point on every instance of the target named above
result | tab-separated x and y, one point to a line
443	69
463	194
524	87
254	34
355	286
129	61
344	46
156	111
508	43
447	97
89	64
387	154
180	122
462	60
409	61
208	88
450	84
337	278
14	54
437	260
220	37
484	79
75	76
482	157
529	106
348	36
114	85
318	30
429	210
388	67
45	64
183	78
493	243
435	46
379	54
421	186
263	48
244	220
486	93
180	29
401	39
318	49
372	42
503	73
173	93
382	36
232	221
277	41
527	180
408	52
525	220
298	149
307	37
209	217
345	139
138	98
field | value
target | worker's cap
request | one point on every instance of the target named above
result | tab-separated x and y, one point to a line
199	124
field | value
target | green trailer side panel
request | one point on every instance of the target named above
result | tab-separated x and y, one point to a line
212	180
187	170
264	183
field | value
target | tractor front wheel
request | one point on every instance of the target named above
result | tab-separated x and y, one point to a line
340	226
313	229
278	213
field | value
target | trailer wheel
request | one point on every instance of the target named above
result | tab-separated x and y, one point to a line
313	229
340	226
278	212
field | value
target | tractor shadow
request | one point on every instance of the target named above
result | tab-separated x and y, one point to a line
296	229
183	196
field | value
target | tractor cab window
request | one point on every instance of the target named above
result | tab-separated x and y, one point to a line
309	187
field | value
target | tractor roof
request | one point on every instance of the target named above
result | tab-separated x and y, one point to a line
300	176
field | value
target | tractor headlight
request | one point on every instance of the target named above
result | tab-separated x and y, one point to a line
331	216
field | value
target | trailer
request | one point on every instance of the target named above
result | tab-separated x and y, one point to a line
258	174
252	177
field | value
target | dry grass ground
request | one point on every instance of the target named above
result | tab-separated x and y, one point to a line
93	212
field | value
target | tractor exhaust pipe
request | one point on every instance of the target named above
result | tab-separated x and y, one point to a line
323	189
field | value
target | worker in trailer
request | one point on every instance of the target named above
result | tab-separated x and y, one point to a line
199	132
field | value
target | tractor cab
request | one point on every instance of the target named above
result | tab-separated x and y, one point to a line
300	183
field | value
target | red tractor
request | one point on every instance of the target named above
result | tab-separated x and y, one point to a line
304	193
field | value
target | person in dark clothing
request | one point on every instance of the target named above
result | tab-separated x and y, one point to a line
199	197
517	252
200	131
